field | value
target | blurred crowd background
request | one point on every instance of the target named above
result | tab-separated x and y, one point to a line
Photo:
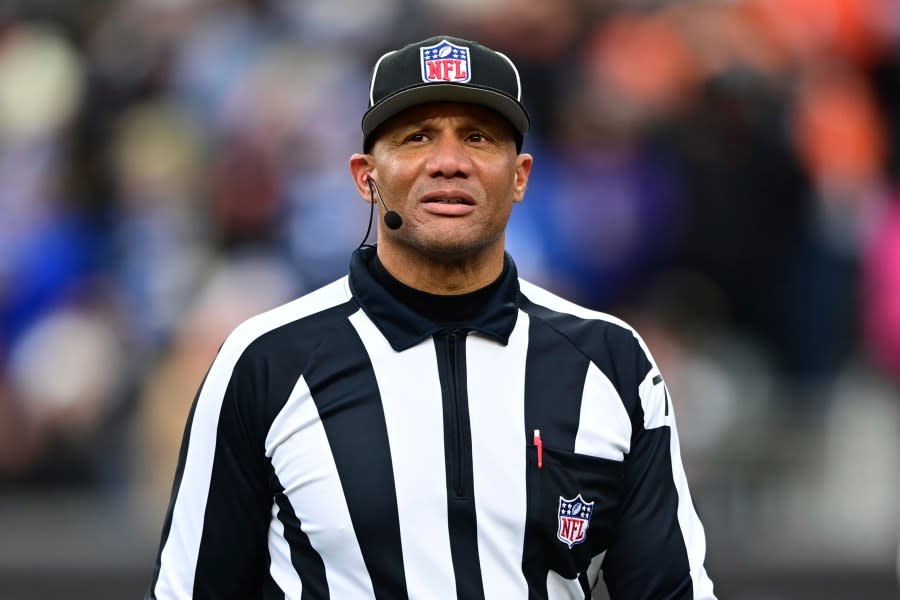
725	175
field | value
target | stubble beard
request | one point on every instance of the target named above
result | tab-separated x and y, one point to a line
447	248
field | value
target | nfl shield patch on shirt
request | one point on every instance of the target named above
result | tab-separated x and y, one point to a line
445	62
574	518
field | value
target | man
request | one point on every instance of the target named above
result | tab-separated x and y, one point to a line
430	426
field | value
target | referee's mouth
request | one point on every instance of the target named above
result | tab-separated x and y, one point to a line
448	203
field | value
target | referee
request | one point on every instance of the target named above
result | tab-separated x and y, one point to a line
430	426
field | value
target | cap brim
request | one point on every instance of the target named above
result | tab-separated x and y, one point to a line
445	92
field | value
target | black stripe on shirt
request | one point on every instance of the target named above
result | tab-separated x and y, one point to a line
242	484
554	383
657	379
343	385
649	517
461	517
307	562
237	517
555	373
649	520
612	348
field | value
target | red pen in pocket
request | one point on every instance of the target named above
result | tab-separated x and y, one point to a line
539	444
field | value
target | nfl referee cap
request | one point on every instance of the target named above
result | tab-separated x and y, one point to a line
444	69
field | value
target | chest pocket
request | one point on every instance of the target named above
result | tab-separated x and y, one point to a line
573	500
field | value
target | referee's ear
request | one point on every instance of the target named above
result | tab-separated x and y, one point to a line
522	172
361	166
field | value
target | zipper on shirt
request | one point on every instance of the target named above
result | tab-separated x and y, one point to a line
457	383
455	407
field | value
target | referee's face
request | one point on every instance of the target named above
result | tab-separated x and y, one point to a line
452	173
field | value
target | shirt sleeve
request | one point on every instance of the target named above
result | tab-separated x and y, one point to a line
214	536
659	546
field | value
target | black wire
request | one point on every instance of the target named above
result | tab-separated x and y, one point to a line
371	214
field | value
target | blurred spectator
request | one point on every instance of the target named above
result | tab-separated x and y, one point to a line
235	290
45	248
160	236
65	381
838	133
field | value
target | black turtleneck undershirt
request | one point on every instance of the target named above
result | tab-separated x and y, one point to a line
450	310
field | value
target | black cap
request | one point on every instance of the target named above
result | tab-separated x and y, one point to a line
444	69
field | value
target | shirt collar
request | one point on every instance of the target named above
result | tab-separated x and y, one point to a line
404	328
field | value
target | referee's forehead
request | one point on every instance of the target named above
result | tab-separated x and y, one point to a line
462	115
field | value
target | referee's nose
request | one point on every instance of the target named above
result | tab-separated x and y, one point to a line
448	155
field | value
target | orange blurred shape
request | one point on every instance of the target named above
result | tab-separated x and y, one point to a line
645	57
850	28
838	129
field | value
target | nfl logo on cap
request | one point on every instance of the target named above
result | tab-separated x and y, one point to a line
445	62
574	518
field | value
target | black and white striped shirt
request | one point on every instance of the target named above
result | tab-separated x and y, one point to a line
344	446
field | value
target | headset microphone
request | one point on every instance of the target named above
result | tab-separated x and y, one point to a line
392	220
